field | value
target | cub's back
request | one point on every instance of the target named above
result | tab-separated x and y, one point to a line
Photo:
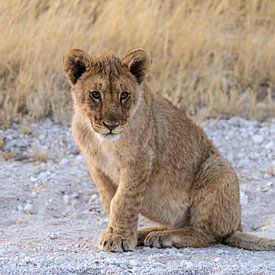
179	142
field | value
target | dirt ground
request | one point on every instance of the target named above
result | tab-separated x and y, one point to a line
51	217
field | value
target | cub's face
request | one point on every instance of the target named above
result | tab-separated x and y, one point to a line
105	89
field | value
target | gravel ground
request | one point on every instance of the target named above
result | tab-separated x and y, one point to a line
51	218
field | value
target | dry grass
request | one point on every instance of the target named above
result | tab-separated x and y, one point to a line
2	142
7	155
40	155
26	130
211	57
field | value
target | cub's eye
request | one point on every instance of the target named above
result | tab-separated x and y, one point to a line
95	95
124	96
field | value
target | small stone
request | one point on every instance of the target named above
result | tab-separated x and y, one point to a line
220	252
204	264
60	260
15	126
158	265
269	145
243	197
135	263
44	175
186	265
266	176
33	179
78	159
64	161
20	208
264	189
67	200
52	235
28	208
94	198
257	139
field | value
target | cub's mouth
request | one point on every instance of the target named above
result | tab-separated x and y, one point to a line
104	134
108	137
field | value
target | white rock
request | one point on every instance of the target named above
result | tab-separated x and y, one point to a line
44	175
28	208
33	179
266	176
67	200
20	208
52	235
135	263
186	265
2	252
243	198
204	264
94	198
64	161
269	145
60	260
258	139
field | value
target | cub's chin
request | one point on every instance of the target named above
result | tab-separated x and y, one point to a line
108	137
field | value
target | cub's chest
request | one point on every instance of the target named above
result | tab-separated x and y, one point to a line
108	162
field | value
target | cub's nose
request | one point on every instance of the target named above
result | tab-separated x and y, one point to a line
111	125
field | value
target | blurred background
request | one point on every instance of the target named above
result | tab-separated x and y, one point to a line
213	58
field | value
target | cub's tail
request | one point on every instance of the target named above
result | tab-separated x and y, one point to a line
249	242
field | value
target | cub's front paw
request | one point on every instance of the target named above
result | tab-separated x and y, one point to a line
117	242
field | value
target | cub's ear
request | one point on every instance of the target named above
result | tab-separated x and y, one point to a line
138	62
76	62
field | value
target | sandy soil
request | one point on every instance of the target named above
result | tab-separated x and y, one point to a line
51	218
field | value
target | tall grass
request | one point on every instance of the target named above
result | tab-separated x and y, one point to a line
210	57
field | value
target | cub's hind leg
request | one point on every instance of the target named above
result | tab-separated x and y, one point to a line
182	237
143	232
215	199
214	211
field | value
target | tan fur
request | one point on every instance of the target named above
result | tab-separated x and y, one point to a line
156	162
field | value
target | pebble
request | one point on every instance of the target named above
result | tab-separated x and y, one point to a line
187	265
64	161
243	197
135	263
269	145
33	179
28	208
269	184
52	235
33	194
67	200
94	197
258	138
20	208
60	260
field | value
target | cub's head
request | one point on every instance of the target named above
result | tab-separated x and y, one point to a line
106	90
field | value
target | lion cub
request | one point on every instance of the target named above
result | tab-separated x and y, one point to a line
147	157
